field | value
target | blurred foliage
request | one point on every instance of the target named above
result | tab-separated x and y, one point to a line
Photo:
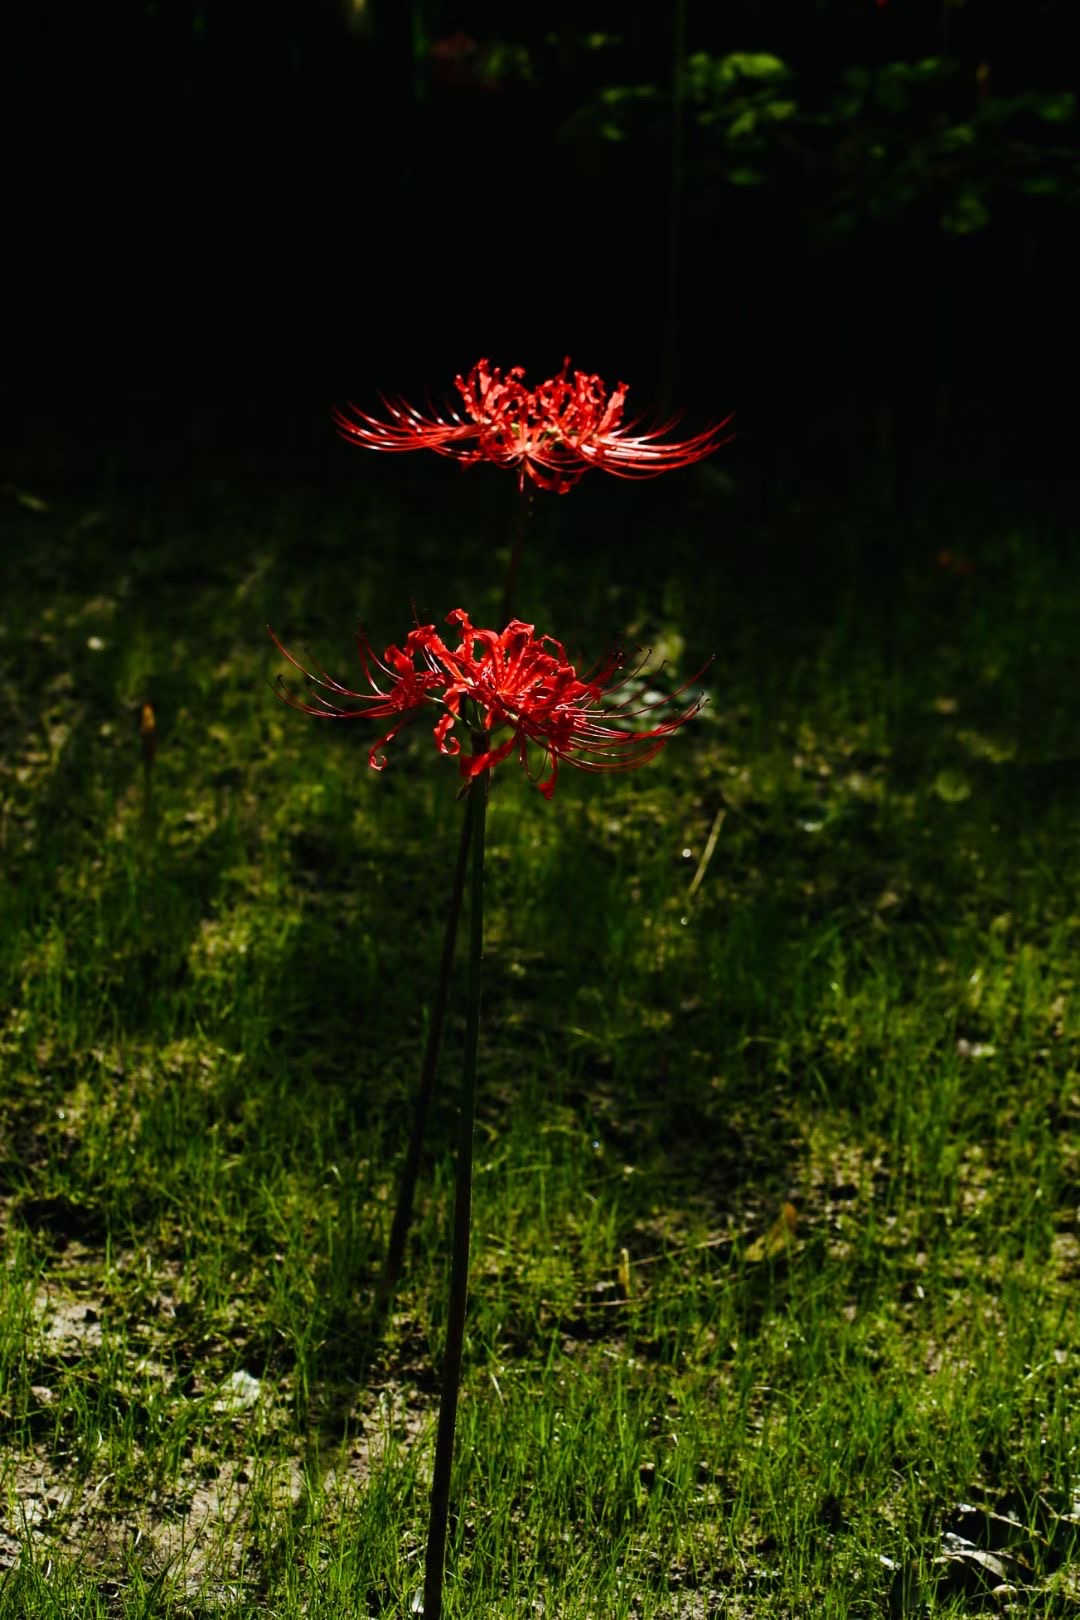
878	144
853	144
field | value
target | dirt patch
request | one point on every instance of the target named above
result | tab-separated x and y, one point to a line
201	1521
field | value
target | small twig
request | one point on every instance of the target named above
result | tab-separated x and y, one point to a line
148	736
685	1248
707	854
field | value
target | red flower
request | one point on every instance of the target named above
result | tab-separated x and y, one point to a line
552	433
517	682
410	688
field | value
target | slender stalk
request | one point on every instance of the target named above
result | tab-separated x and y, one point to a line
459	1260
525	505
410	1170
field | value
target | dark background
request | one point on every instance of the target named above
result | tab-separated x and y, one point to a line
321	198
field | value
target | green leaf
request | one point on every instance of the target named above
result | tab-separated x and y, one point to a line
965	214
745	124
717	75
925	71
928	69
1056	109
952	786
956	137
746	176
757	65
616	94
779	110
698	72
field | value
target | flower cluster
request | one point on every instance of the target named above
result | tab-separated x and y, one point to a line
552	434
518	683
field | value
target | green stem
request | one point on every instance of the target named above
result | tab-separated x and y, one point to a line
459	1259
410	1170
525	505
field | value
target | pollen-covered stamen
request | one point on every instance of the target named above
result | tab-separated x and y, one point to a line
582	409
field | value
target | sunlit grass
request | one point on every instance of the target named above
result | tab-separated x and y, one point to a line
678	1400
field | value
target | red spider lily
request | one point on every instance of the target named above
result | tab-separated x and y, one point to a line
552	433
517	681
527	684
410	688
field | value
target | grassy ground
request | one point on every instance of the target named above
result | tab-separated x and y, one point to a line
777	1226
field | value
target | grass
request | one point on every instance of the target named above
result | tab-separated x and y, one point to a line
776	1220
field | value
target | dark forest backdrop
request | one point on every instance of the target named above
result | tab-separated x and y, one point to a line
856	213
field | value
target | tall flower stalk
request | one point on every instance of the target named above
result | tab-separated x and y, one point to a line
551	434
518	695
435	1557
526	505
409	1173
